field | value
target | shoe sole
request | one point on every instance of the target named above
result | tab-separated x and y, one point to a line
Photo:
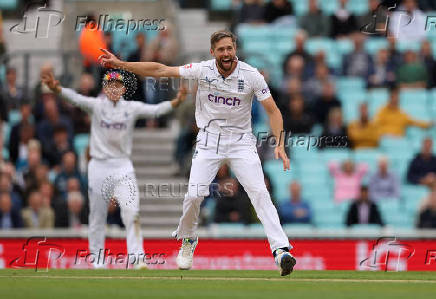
287	265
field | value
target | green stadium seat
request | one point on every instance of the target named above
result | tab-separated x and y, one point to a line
345	84
328	7
403	46
337	155
14	117
5	153
370	228
378	98
298	227
344	46
399	220
358	7
220	5
374	44
368	156
330	219
414	102
314	45
413	192
256	46
279	178
81	141
283	47
248	32
300	7
6	134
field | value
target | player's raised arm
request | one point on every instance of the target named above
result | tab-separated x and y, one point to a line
156	110
276	123
145	69
69	94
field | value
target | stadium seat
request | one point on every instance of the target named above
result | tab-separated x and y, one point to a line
414	102
279	179
374	44
256	46
6	133
314	45
370	228
220	5
337	155
344	46
413	192
377	98
298	227
368	156
301	7
248	32
14	117
81	141
403	46
345	84
358	7
328	219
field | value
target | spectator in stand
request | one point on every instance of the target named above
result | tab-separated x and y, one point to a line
61	145
409	26
297	120
374	21
21	134
326	102
427	211
362	133
427	4
7	186
73	214
295	210
384	184
81	120
422	169
300	42
363	210
68	170
275	9
47	192
295	68
384	72
395	57
392	120
36	215
252	11
45	128
138	55
347	179
429	62
13	94
343	23
334	134
312	88
27	173
413	73
233	204
36	179
10	217
164	47
40	92
315	23
358	63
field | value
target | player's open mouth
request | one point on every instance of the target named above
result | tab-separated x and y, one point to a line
226	62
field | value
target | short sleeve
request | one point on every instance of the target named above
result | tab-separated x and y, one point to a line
261	90
190	71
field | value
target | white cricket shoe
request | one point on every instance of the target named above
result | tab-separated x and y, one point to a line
285	261
186	253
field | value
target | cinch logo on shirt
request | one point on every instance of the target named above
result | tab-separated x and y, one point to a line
226	101
115	126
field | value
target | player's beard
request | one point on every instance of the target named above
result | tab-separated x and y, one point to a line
224	68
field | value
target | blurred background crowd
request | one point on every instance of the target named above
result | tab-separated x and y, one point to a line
342	74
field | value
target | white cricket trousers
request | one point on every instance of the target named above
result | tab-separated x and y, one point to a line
239	151
113	179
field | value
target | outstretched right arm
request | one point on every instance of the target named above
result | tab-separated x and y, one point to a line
86	103
145	69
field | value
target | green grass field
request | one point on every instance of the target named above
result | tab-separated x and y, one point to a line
80	284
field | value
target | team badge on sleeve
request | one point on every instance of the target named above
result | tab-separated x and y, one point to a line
188	66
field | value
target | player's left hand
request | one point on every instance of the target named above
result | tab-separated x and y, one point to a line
49	80
279	152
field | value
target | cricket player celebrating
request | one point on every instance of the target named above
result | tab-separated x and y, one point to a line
226	87
110	171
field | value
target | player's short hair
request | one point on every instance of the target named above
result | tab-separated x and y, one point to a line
219	35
